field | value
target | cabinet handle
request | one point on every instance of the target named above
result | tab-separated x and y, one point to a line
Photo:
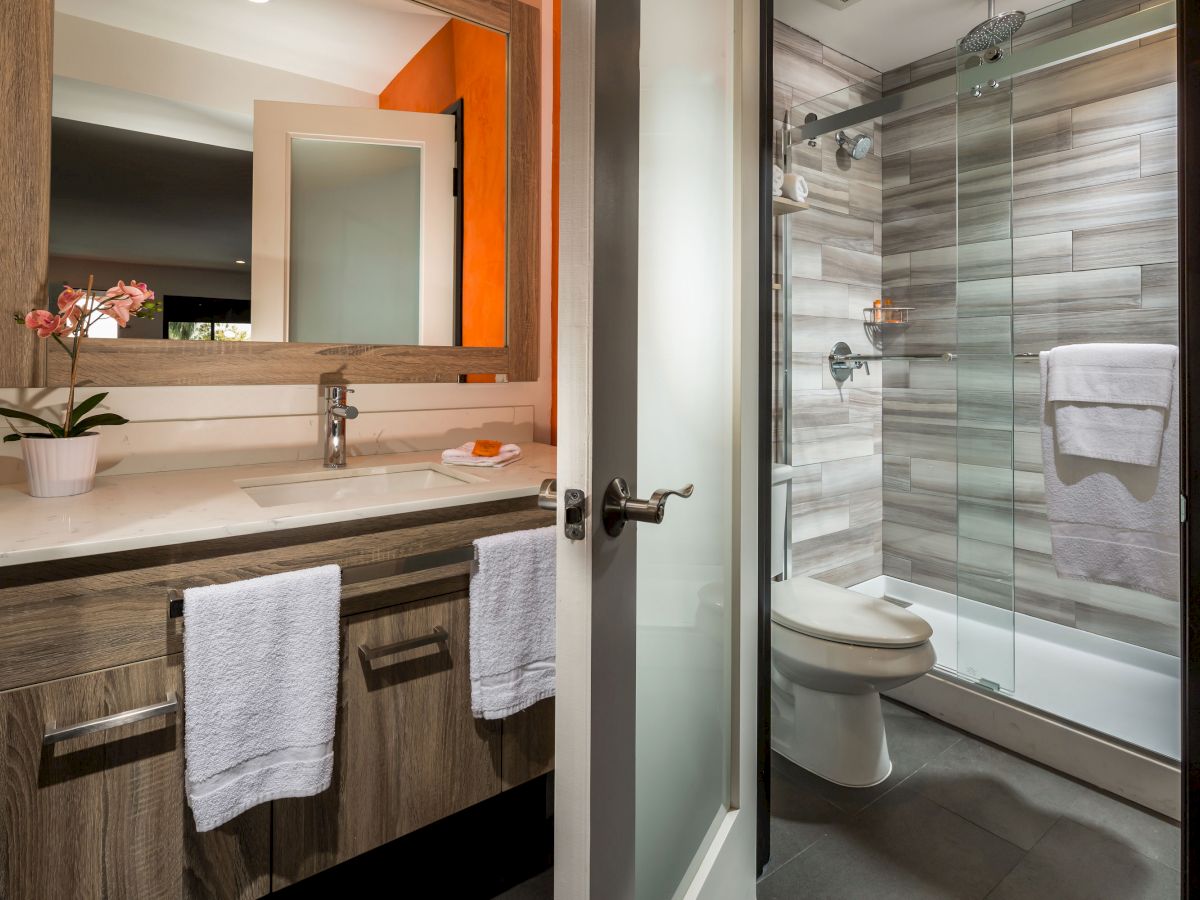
54	735
437	636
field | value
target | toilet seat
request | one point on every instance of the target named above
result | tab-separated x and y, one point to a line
831	613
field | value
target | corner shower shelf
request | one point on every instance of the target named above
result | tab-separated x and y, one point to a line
782	206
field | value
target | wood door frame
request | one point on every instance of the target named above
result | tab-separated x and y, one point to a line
26	72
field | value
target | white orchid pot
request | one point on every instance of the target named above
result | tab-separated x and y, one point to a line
61	467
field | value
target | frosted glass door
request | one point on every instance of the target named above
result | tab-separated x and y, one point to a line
685	422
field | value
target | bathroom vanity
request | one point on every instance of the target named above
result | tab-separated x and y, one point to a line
90	635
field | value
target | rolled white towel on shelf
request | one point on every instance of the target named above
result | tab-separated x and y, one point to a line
795	187
464	456
776	181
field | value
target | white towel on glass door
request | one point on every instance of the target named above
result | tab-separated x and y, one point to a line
512	622
1111	401
462	456
1113	522
260	671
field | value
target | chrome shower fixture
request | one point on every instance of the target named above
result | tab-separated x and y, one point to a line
857	146
995	30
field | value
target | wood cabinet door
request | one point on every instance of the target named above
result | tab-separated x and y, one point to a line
407	750
99	815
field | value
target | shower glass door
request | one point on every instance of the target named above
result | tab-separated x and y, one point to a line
983	376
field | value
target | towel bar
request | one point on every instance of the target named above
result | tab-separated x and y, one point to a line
439	635
387	568
53	735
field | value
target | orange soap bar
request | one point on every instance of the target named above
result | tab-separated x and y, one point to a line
486	448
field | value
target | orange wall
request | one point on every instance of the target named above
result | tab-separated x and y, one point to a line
469	62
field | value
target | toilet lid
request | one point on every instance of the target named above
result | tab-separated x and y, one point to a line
832	613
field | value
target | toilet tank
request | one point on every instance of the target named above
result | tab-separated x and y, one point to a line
781	476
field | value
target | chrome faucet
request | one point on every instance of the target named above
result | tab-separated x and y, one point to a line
337	411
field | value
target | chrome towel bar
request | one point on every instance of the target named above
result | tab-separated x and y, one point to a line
386	568
54	735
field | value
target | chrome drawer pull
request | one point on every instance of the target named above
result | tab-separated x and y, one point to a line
437	636
168	707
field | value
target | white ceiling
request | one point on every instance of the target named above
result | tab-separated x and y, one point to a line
886	34
360	44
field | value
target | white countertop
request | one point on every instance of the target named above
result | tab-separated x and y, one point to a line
131	512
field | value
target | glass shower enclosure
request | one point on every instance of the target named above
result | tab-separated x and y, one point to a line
992	243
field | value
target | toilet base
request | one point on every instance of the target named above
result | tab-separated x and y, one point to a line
838	737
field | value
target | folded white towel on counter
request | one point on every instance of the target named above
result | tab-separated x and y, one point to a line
462	456
1113	522
260	671
1111	400
512	622
776	181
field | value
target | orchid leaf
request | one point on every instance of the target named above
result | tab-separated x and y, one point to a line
55	430
15	436
94	421
86	406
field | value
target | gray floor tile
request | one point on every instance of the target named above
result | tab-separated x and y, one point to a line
540	887
1073	862
1145	832
799	817
1007	795
913	740
903	846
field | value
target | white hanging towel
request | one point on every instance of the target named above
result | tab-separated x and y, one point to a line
1110	456
260	672
512	622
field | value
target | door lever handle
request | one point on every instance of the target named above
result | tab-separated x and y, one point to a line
620	506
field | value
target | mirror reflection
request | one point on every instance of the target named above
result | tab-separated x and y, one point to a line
283	171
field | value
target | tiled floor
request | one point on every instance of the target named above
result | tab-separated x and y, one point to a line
959	818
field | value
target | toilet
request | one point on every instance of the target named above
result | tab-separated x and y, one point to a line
832	652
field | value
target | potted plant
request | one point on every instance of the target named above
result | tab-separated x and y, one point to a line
62	460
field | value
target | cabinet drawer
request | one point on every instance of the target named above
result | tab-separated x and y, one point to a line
407	749
99	815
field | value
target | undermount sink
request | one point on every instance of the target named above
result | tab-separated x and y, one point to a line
377	483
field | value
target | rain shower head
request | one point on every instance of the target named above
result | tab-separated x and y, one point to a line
857	146
996	30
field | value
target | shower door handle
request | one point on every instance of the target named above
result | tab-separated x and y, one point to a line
620	506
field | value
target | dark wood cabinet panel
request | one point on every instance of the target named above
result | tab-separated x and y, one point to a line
528	743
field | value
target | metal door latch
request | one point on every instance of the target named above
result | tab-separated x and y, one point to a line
574	508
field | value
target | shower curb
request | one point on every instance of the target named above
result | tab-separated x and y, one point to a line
1143	778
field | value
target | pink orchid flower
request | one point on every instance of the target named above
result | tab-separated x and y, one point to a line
135	294
45	323
69	304
120	309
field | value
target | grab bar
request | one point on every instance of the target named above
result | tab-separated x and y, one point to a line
387	568
53	735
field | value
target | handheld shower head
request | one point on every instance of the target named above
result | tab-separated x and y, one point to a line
857	146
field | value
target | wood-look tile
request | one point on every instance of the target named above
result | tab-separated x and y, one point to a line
815	408
805	159
921	509
895	270
1050	133
1111	76
866	201
896	473
856	474
1141	243
806	259
819	298
895	170
842	549
852	266
918	543
897	567
1160	152
920	233
813	334
1160	286
781	99
1123	203
1093	166
986	185
1035	333
933	66
806	482
1125	115
930	301
790	42
814	518
987	297
937	266
1093	12
978	261
929	126
923	198
1043	26
829	191
831	442
852	68
934	161
866	508
1042	254
895	79
1078	292
985	335
986	144
868	170
832	230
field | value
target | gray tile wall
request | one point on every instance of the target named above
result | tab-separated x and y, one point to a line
1082	249
837	524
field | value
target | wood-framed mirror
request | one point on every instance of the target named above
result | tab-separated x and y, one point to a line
303	315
